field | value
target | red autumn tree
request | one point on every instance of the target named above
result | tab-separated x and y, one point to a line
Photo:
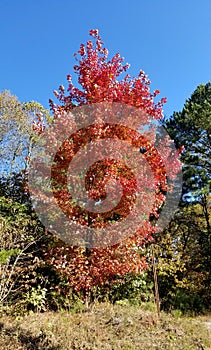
86	267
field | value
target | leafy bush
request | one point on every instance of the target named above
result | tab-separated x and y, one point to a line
185	301
36	298
20	235
132	289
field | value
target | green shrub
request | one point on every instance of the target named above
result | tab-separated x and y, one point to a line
135	288
36	299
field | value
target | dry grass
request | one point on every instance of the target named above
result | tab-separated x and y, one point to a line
107	327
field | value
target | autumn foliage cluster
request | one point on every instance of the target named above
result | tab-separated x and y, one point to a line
86	267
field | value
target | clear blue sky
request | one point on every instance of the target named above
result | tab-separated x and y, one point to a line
169	39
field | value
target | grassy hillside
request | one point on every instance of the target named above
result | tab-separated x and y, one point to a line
106	327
